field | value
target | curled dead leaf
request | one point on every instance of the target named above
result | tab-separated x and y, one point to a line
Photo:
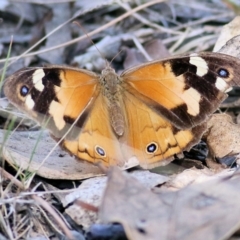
223	136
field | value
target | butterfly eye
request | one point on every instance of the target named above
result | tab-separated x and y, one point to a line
223	73
152	147
24	90
100	151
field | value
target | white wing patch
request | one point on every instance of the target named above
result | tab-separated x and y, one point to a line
29	102
192	98
221	84
56	110
37	79
200	63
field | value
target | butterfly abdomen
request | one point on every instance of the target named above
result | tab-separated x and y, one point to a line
111	89
117	118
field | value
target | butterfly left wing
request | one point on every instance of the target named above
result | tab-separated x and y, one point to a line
50	95
69	103
185	90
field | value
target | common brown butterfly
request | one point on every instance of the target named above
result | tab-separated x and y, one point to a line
143	117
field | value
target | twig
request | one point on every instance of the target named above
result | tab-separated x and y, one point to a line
41	202
86	205
111	23
50	210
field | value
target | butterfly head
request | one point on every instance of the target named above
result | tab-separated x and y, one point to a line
110	80
108	71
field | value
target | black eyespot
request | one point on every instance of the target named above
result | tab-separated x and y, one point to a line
100	151
223	73
24	91
152	147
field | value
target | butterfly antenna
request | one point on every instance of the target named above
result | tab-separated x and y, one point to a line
115	56
90	39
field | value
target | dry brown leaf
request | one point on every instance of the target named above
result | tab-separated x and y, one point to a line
128	202
223	136
60	165
205	211
133	58
201	211
229	31
232	47
22	10
157	50
192	176
91	192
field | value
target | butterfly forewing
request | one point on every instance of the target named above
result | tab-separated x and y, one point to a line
185	89
58	95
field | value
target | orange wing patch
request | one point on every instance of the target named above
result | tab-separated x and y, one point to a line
74	95
157	82
152	139
96	141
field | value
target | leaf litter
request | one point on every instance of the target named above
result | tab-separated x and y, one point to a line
161	207
197	211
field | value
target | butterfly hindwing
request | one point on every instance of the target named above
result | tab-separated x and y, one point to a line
153	139
97	142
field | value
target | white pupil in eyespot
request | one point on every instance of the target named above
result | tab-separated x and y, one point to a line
223	73
24	91
100	151
151	148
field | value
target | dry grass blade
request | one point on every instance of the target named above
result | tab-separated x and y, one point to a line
36	201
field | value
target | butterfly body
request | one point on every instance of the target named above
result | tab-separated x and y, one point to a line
143	117
111	89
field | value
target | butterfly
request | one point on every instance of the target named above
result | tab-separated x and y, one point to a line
145	116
